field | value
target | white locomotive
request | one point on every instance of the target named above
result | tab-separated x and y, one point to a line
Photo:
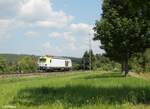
50	63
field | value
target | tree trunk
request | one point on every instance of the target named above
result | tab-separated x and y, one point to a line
122	67
143	62
126	67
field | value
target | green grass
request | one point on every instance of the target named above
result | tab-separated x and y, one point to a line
78	90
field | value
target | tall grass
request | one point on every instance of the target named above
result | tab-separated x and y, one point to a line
88	90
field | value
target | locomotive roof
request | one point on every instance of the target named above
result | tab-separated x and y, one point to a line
54	57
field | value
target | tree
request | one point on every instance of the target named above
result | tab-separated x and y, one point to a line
87	62
122	30
93	60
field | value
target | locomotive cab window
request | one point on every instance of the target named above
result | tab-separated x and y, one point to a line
42	60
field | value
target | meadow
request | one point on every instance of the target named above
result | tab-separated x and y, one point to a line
76	90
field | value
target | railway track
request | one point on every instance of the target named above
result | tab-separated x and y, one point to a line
31	74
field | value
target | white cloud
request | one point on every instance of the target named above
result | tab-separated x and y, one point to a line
84	32
71	41
50	24
72	47
37	13
5	24
68	36
96	46
4	27
4	36
9	8
51	50
54	34
82	27
35	9
42	14
31	34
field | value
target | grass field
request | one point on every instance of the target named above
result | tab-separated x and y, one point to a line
77	90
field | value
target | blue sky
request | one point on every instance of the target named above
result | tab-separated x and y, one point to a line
54	27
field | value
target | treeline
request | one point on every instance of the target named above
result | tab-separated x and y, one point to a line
28	63
20	64
139	63
98	62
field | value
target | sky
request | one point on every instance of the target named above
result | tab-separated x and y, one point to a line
48	27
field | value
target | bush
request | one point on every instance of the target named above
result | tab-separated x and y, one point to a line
76	66
109	67
2	65
27	64
140	63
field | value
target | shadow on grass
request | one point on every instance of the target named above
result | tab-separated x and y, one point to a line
105	75
81	95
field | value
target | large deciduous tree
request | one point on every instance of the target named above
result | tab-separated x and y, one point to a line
124	29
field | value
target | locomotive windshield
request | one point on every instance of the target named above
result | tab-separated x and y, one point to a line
42	60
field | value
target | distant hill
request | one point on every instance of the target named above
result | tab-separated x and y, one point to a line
14	57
